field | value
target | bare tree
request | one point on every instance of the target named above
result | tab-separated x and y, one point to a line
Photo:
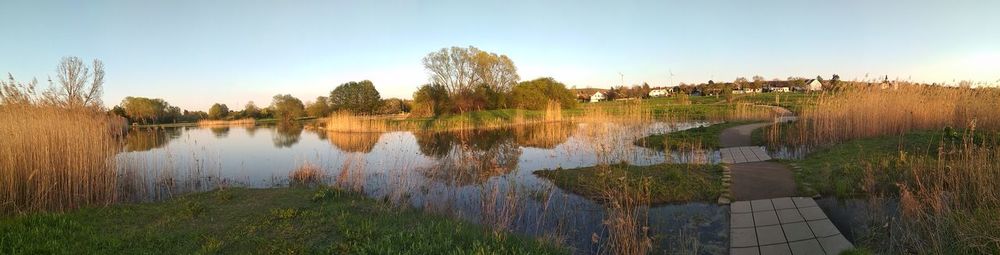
461	69
77	85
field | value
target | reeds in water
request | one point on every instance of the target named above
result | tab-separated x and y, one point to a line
347	122
239	122
57	159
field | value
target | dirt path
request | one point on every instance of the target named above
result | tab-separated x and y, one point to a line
757	180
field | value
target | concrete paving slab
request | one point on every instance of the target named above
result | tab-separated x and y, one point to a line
806	247
775	249
812	213
744	251
765	218
740	207
823	228
801	202
789	216
768	235
835	244
782	203
741	220
743	237
761	205
762	180
797	231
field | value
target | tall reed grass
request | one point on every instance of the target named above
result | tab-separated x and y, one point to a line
239	122
57	159
870	111
948	203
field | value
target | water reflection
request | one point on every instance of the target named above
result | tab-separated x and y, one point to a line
144	139
362	142
286	134
456	173
220	131
469	157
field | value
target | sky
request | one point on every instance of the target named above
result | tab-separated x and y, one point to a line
199	52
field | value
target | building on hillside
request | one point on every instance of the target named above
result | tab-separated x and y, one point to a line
659	92
597	97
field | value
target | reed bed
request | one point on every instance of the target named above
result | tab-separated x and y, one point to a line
306	174
948	203
347	122
57	159
871	111
238	122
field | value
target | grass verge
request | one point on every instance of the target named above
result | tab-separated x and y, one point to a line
259	221
667	183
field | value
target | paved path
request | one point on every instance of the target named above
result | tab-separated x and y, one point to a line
743	154
788	225
767	218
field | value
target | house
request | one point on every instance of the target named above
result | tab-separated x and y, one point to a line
780	89
814	85
597	97
659	92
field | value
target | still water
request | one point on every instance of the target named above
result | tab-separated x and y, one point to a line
453	173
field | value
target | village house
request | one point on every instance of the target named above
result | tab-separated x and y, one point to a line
659	92
597	97
814	85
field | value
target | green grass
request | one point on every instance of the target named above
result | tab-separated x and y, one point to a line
259	221
668	183
793	101
706	136
839	169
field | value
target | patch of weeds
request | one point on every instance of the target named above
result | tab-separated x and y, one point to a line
284	214
192	209
210	246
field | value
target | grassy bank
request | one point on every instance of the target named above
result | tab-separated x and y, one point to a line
667	183
259	221
706	137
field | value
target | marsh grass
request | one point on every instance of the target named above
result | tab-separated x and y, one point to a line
306	174
57	159
872	111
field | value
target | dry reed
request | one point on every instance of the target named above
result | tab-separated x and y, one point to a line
239	122
306	174
56	159
871	111
347	122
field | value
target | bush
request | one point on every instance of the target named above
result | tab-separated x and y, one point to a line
536	94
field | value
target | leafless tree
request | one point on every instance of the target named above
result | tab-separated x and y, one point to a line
78	86
461	69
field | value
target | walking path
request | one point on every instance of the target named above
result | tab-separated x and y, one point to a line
767	217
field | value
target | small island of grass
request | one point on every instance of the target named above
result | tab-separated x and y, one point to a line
707	137
668	183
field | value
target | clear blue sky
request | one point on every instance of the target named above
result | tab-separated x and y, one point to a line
195	53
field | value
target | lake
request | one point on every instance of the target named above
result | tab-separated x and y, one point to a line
460	174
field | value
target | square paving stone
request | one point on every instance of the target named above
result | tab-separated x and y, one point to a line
789	216
797	231
768	235
741	220
812	213
801	202
761	205
775	249
740	207
823	228
806	247
782	203
765	218
744	251
743	237
835	244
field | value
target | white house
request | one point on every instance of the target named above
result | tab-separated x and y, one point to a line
814	85
659	92
780	89
597	97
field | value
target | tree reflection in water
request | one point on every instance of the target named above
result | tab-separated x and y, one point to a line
362	142
544	136
469	157
220	131
144	139
286	134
